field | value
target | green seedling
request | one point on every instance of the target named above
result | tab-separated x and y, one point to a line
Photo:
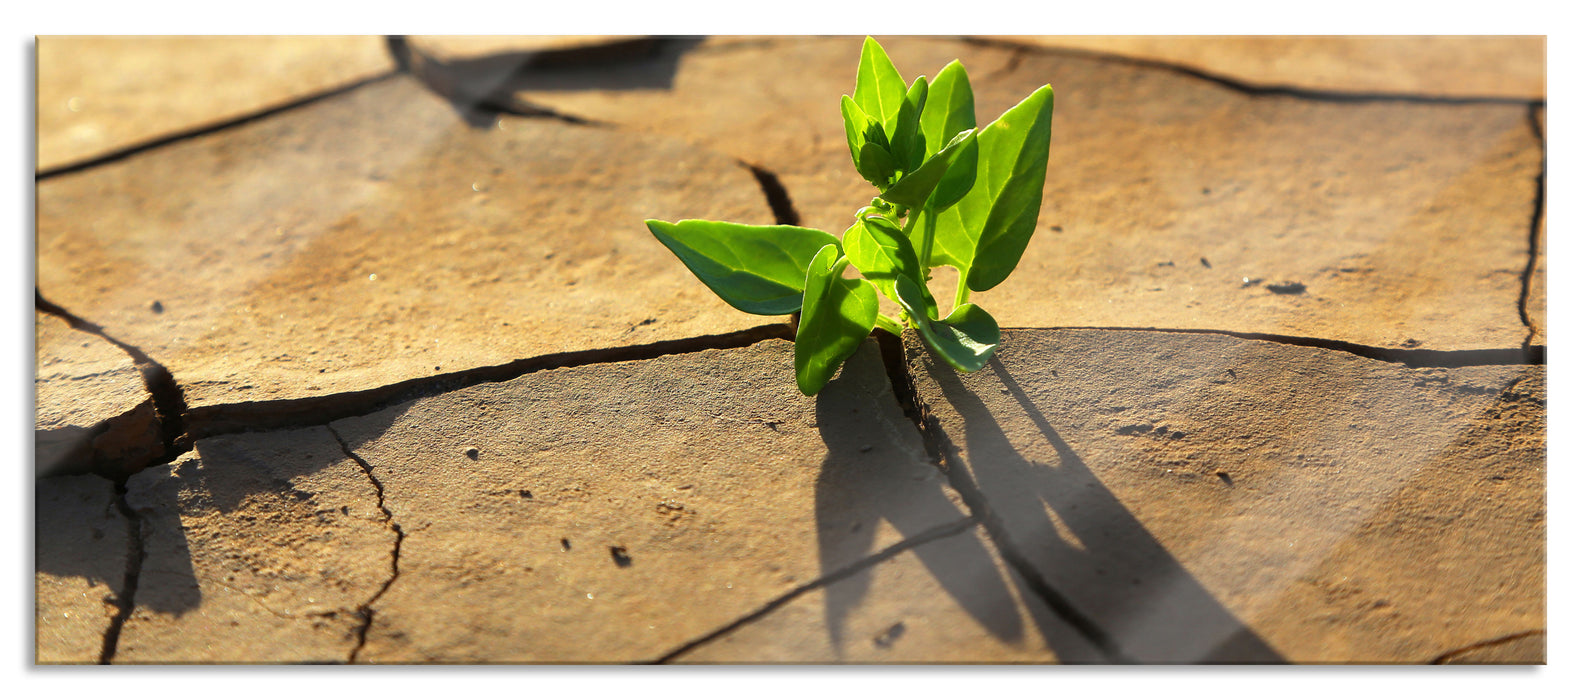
950	194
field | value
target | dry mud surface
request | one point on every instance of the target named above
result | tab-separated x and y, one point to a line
368	358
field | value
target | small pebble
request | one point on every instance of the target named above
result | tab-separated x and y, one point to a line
157	307
472	453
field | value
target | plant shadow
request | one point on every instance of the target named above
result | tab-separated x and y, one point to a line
1105	566
876	472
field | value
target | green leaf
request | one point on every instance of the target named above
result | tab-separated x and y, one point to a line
966	339
856	127
880	89
949	110
915	187
881	252
758	269
905	140
985	234
837	313
876	165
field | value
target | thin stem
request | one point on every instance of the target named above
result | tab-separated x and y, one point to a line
962	293
928	236
889	324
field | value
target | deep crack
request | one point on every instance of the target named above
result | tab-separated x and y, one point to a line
1539	193
1250	89
775	192
208	421
938	446
126	597
170	405
932	534
1411	357
365	612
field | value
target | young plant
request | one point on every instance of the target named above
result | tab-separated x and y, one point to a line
949	194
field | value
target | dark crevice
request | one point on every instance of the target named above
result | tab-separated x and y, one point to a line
365	612
129	151
938	446
1447	656
1539	192
170	405
936	533
1415	358
126	596
207	421
1250	89
775	192
480	89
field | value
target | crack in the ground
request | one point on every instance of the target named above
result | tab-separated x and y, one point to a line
1447	656
938	446
1539	192
195	132
126	597
170	406
932	534
1251	89
365	612
1411	357
775	192
208	421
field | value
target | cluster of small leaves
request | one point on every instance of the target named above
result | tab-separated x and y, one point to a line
949	194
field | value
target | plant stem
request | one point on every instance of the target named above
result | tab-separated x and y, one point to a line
890	324
961	289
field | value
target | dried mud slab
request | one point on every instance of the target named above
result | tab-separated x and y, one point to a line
1204	498
617	512
100	94
1171	201
940	603
91	408
1523	649
81	546
1432	66
257	548
376	237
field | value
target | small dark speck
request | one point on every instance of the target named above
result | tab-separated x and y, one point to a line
1205	263
565	545
1223	477
1207	191
1177	435
888	637
1167	263
472	453
1411	343
436	368
647	321
157	307
620	557
345	510
1287	288
524	493
1057	229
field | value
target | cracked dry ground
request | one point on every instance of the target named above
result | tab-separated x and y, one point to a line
368	358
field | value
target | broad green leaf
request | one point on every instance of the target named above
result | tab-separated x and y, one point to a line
949	112
915	187
949	109
985	233
966	339
876	165
837	313
880	89
881	252
758	269
906	142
